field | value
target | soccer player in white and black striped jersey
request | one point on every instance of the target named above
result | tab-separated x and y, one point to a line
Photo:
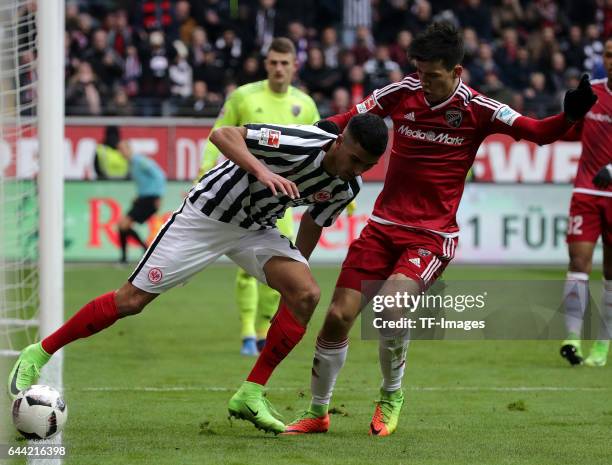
232	211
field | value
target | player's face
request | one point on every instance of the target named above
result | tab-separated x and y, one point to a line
350	159
437	81
608	58
280	68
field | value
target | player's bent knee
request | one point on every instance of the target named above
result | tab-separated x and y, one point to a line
304	300
130	300
338	321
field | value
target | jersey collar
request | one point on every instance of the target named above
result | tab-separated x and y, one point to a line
448	100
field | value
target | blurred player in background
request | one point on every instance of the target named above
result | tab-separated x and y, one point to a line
591	216
150	187
273	100
109	163
438	125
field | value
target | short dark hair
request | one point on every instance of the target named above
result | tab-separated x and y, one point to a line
440	42
282	45
370	132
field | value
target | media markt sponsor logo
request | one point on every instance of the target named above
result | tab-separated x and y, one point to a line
430	136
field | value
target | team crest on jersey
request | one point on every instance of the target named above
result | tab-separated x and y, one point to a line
322	196
454	117
295	110
424	252
366	105
269	138
155	275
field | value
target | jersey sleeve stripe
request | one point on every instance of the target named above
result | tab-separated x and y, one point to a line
484	104
489	100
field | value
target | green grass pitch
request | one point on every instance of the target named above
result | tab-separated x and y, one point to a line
153	389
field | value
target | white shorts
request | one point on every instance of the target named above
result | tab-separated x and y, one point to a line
190	241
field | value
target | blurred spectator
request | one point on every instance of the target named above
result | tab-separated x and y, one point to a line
593	49
229	50
538	102
155	80
154	15
555	78
199	46
119	32
212	72
507	14
477	15
483	64
200	103
215	17
517	76
364	45
330	46
120	105
251	71
105	62
494	88
341	101
542	45
319	78
180	72
132	72
356	14
390	16
83	92
399	50
572	48
297	33
420	16
185	22
378	69
264	20
357	87
470	45
507	52
543	13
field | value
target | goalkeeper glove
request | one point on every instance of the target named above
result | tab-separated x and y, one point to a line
328	126
603	178
579	100
350	208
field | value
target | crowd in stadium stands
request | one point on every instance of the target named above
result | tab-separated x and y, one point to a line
182	58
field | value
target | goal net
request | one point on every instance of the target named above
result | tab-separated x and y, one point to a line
19	277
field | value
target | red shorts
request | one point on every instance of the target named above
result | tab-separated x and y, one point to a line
382	250
590	216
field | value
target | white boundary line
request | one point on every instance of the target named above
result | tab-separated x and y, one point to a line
298	388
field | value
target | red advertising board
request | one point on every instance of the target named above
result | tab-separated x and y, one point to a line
178	150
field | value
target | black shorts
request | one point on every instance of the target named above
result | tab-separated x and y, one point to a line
143	208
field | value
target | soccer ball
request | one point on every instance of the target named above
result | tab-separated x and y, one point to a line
39	412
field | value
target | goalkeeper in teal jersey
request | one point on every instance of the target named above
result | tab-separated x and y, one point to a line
273	100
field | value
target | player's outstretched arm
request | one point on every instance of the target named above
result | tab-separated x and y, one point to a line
308	235
231	142
576	104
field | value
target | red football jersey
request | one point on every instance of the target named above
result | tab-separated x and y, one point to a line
433	148
596	141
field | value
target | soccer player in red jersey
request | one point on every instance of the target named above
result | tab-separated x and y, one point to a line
590	217
438	125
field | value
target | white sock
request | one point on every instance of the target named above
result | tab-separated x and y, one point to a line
605	325
575	299
328	361
392	357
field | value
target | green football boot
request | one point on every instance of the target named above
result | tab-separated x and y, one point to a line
386	414
571	349
250	404
599	354
27	369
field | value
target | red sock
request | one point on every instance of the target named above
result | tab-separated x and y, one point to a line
98	314
283	335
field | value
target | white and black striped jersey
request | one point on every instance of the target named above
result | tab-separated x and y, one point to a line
228	193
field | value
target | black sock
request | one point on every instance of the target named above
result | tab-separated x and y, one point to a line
134	234
123	237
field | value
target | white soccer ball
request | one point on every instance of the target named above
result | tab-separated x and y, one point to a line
39	412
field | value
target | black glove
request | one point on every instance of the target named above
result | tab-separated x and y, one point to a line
603	178
579	100
328	126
